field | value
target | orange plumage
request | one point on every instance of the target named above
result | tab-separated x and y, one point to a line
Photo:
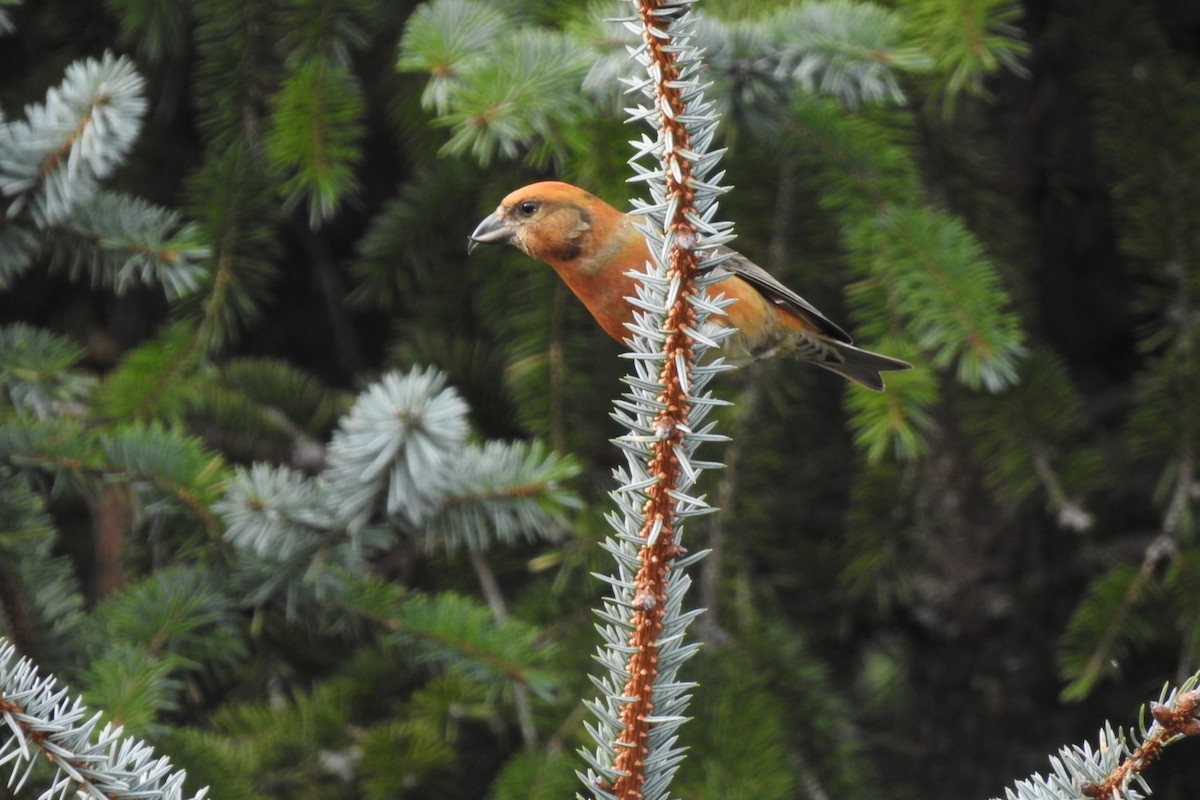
592	246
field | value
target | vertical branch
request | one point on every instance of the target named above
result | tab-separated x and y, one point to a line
658	527
111	520
642	707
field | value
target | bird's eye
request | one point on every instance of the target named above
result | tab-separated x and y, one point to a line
527	208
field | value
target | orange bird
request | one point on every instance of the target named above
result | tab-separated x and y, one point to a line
592	246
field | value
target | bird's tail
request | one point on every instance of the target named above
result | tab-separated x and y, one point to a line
862	366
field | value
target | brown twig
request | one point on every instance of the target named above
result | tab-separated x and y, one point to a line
1172	722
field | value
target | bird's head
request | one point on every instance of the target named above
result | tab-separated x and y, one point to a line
550	221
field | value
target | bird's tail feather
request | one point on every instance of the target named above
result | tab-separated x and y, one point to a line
862	366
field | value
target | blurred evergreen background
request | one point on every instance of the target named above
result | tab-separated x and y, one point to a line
916	594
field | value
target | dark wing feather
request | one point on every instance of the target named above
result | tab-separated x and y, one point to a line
776	292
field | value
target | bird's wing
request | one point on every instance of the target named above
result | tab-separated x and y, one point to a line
779	294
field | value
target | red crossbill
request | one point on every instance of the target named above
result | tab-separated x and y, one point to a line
592	246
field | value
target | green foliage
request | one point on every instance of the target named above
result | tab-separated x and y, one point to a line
53	603
36	371
152	380
1030	438
1156	206
172	472
405	252
504	90
54	159
156	28
327	28
850	51
460	634
61	448
315	130
233	192
536	775
232	200
119	242
447	39
404	755
225	765
1110	621
897	420
294	393
133	686
742	723
502	492
1155	215
236	66
878	564
969	40
182	612
255	407
170	630
938	281
52	165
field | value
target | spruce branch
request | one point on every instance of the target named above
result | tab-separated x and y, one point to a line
152	381
969	40
397	442
1156	204
52	164
399	461
234	193
643	626
328	28
315	137
44	719
458	632
446	39
922	265
53	161
1112	767
524	99
501	492
1107	617
234	202
156	30
38	375
169	472
236	63
853	52
276	512
118	242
